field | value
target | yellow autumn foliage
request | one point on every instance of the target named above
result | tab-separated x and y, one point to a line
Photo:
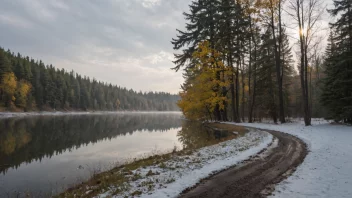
23	89
8	144
14	91
203	92
11	141
8	86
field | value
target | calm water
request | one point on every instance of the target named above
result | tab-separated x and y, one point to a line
45	154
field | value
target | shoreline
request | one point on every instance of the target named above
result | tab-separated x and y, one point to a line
64	113
170	174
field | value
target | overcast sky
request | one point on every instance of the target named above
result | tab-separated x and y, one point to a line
124	42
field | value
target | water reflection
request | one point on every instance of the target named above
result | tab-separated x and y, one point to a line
196	135
44	155
35	138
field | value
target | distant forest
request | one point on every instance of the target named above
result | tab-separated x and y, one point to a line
30	85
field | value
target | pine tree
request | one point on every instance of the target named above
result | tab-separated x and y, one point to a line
337	91
266	88
233	34
201	25
287	68
5	66
223	24
19	69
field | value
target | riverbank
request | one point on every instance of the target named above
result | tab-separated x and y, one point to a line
168	175
61	113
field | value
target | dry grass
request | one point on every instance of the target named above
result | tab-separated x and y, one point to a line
118	177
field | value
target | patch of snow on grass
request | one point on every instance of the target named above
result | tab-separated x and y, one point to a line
170	178
326	171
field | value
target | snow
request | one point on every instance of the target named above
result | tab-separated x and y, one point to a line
181	172
326	171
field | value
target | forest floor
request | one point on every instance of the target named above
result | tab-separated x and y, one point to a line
168	175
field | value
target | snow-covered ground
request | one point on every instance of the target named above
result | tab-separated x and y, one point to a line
327	169
170	178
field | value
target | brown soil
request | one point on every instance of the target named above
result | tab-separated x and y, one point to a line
255	177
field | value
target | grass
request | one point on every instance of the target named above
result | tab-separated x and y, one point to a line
170	180
119	177
136	193
163	165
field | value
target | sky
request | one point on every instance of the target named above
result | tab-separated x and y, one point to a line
123	42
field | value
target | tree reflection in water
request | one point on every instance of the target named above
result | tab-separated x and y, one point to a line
34	138
195	135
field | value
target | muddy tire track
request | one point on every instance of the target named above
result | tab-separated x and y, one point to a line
255	177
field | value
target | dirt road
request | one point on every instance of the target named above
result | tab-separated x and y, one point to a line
257	176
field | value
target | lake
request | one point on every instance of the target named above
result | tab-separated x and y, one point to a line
43	155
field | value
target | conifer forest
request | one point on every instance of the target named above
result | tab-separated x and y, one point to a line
30	85
239	65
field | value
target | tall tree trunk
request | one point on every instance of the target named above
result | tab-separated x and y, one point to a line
232	89
278	65
307	105
303	68
233	105
281	68
217	112
238	61
249	78
273	110
224	93
311	93
350	26
237	118
250	119
243	91
252	100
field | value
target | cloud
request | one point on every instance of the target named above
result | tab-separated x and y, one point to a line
42	12
15	21
123	42
162	56
150	3
60	5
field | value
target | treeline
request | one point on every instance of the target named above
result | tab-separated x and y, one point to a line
26	84
238	63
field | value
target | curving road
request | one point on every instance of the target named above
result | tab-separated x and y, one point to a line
255	177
